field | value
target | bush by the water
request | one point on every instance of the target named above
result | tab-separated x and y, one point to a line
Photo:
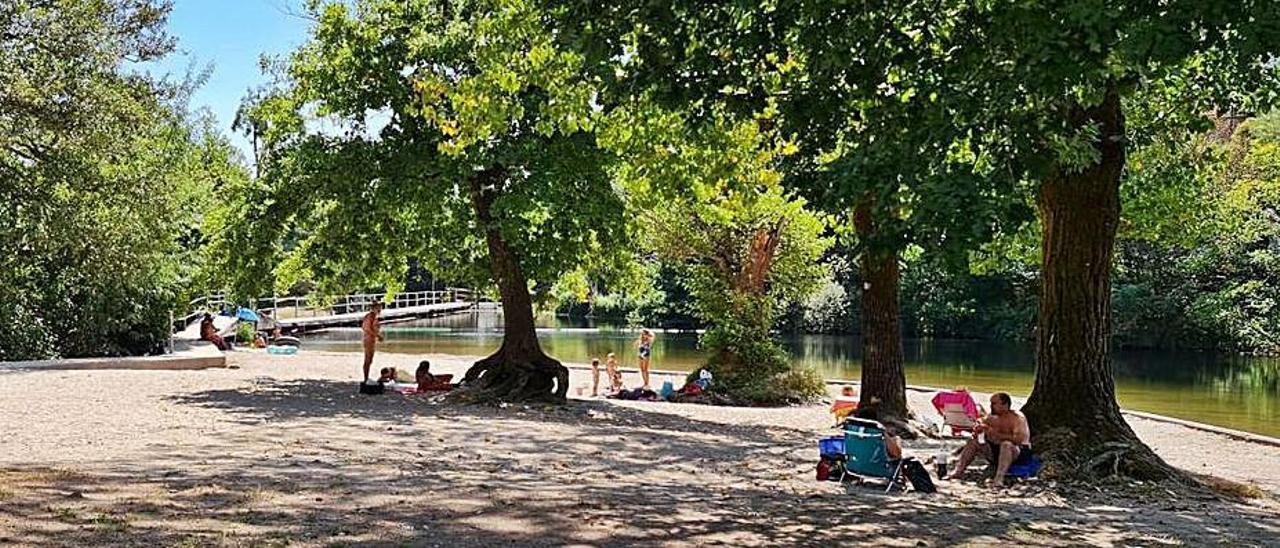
757	372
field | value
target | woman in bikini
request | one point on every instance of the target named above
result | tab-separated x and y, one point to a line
645	346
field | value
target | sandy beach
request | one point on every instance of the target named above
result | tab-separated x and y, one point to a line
281	451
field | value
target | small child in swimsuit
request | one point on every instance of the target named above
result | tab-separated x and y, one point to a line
595	377
615	376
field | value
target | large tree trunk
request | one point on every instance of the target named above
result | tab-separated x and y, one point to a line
519	370
882	356
1075	420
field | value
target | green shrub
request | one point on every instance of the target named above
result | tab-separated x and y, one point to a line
244	333
756	371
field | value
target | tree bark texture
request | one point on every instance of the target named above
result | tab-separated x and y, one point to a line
519	370
882	355
1074	416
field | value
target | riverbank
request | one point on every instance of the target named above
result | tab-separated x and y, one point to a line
280	450
1229	392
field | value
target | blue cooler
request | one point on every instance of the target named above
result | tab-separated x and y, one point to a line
831	447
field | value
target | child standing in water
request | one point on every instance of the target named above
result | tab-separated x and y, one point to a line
615	376
645	345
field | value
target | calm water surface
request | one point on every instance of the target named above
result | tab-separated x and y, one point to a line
1235	392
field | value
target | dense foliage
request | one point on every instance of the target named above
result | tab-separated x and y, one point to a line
1197	262
709	202
104	178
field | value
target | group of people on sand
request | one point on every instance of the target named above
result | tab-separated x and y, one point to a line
273	335
1002	438
644	350
422	378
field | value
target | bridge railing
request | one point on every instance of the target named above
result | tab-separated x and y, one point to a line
196	308
310	306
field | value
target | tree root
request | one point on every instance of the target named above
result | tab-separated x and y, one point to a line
1117	459
506	378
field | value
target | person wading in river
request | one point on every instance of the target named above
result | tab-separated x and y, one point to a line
372	334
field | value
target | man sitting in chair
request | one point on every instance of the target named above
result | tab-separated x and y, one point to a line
1003	438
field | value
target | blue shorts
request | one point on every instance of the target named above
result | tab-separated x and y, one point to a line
1024	453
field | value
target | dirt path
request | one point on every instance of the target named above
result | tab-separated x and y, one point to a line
283	452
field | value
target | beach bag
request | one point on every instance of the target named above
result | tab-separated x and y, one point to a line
666	390
372	389
829	469
691	390
918	475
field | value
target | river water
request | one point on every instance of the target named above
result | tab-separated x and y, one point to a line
1230	391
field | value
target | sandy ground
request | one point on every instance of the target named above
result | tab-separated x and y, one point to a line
282	451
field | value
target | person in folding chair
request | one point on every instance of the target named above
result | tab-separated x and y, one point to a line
1003	438
870	450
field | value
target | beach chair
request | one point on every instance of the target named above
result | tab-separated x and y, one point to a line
958	410
866	456
842	407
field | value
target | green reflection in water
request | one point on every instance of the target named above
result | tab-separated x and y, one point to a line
1234	392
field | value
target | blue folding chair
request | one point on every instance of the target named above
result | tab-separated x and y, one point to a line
866	455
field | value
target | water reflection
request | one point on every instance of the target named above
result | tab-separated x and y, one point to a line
1235	392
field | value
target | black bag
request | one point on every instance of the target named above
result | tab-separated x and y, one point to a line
372	389
918	475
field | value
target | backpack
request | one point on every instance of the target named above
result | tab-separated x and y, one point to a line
830	468
918	475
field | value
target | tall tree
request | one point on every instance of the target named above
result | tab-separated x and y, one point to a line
880	154
1061	77
484	163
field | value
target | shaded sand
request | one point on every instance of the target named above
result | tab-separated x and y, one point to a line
282	451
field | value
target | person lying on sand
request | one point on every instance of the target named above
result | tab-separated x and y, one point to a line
430	383
391	374
1003	437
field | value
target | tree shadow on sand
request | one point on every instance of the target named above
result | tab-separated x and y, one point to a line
313	462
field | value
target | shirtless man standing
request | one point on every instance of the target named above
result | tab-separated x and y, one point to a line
1003	437
372	334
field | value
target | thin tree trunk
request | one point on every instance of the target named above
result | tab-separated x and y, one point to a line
882	356
1072	409
519	370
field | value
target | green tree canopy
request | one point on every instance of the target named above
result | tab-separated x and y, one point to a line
709	200
104	177
457	134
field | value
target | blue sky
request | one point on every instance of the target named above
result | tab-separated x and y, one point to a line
230	35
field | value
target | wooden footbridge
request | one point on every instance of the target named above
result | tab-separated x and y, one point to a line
311	312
